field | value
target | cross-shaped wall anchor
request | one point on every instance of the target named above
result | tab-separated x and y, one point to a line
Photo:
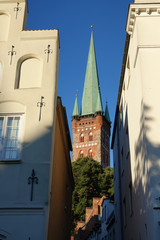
48	51
40	104
16	9
31	180
12	52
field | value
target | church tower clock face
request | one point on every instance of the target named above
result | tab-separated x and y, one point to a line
91	125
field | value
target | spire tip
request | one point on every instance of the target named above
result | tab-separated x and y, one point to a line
76	92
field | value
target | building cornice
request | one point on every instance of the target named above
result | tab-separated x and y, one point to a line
140	10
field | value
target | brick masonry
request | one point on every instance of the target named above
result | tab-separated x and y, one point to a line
99	146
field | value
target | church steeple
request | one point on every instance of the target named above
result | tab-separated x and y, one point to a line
91	100
75	110
91	127
107	117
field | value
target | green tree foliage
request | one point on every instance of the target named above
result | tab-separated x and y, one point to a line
91	180
106	183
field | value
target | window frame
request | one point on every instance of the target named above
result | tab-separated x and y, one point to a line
81	137
90	136
18	148
90	153
81	154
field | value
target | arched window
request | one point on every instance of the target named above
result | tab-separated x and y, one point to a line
4	26
90	136
81	153
90	153
30	73
82	137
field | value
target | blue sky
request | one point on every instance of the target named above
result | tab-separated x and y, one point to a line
73	18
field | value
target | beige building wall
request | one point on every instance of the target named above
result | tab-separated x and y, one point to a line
28	92
62	180
136	136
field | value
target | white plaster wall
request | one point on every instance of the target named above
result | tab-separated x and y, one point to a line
22	224
142	101
37	136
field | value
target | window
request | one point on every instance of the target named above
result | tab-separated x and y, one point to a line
122	161
30	73
90	136
90	153
82	137
81	153
130	199
4	25
10	137
121	114
124	212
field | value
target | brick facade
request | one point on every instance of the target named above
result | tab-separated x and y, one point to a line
91	138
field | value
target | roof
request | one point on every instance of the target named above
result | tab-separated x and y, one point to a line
107	117
91	100
75	110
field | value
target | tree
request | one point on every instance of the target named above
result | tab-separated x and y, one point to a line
91	180
107	183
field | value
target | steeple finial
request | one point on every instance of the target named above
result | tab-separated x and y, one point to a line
76	92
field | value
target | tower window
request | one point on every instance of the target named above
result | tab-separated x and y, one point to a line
90	153
90	136
81	154
82	137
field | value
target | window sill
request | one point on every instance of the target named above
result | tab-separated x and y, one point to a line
10	161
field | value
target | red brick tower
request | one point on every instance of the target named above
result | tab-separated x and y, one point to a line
91	127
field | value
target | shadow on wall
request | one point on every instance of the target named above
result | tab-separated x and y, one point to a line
147	167
38	150
35	155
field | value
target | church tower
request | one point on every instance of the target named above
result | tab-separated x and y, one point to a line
91	126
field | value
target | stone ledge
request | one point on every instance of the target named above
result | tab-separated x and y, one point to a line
140	10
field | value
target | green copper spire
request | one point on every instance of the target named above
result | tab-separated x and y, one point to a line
99	104
91	100
107	113
75	110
